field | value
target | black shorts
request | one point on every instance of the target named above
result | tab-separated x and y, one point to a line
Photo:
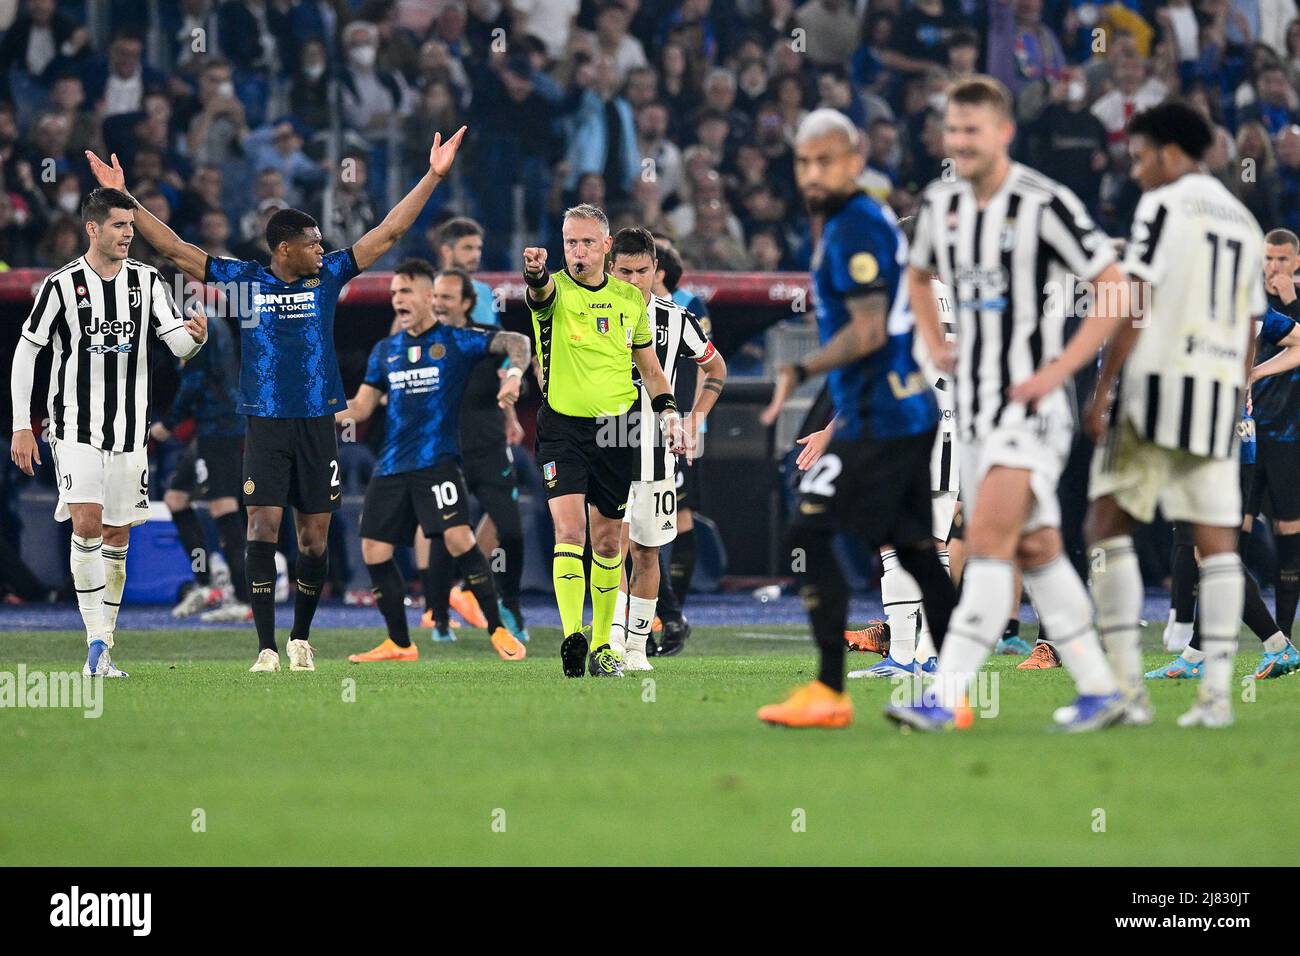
208	469
878	489
1275	490
432	499
490	477
688	484
1247	472
587	456
294	462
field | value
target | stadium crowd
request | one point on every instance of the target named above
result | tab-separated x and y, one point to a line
674	114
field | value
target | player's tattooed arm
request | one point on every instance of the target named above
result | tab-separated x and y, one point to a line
517	350
360	406
185	256
401	217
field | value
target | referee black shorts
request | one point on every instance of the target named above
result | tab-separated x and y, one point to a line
293	462
877	489
208	469
586	456
432	499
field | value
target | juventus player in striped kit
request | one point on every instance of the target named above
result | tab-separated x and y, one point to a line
651	516
97	312
1172	441
1001	237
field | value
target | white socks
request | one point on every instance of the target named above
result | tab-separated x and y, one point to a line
640	618
88	575
1065	611
1117	592
114	582
618	630
901	596
976	625
1223	587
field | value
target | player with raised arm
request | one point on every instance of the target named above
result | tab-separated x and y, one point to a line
418	482
651	516
99	310
1002	237
1167	437
290	385
874	477
590	329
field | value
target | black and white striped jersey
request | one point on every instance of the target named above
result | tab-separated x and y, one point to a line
678	334
1200	254
1010	267
99	378
944	470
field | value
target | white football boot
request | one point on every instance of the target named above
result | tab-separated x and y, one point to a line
232	612
636	661
197	599
267	662
1209	712
301	656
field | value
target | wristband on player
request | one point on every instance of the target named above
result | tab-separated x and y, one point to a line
800	374
514	372
663	402
537	281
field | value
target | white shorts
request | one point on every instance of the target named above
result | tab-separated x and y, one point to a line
944	505
652	512
118	480
1037	445
1141	475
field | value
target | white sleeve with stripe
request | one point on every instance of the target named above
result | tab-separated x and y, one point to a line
695	343
167	322
1146	256
1070	232
46	308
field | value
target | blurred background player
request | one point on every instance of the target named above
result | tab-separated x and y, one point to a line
101	306
290	386
423	371
488	427
209	469
588	325
460	246
651	516
970	231
873	478
1166	436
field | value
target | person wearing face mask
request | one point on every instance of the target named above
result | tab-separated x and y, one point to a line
309	92
1067	142
370	96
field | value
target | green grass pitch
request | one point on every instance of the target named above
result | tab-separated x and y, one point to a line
464	759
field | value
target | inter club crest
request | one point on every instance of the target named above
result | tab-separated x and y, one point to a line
602	324
413	354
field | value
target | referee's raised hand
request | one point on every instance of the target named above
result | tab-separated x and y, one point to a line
534	260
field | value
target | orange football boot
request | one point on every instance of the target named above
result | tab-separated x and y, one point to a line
387	651
508	646
426	620
812	705
874	639
1042	657
466	605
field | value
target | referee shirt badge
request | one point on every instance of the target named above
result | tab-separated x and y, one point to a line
548	471
602	324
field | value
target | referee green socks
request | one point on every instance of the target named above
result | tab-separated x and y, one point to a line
605	576
570	581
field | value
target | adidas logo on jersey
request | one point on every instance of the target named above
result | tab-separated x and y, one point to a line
142	503
83	303
667	526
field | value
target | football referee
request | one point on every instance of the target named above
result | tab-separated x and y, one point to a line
588	326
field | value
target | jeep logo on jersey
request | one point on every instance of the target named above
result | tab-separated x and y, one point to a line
602	324
116	327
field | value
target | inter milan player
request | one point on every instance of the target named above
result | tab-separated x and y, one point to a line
290	386
423	371
874	477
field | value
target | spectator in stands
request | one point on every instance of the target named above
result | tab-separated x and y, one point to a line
647	206
354	211
309	92
601	133
1291	52
676	86
249	30
1021	49
1257	186
712	131
214	234
1132	93
190	43
869	70
120	85
1288	172
40	43
613	40
920	36
371	97
642	87
652	144
61	242
1067	142
837	93
279	146
766	250
201	194
831	30
268	185
68	97
549	20
154	201
706	187
254	245
710	245
399	49
792	100
769	136
217	125
1275	100
437	64
19	232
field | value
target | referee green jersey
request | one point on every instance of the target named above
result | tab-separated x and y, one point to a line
585	336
